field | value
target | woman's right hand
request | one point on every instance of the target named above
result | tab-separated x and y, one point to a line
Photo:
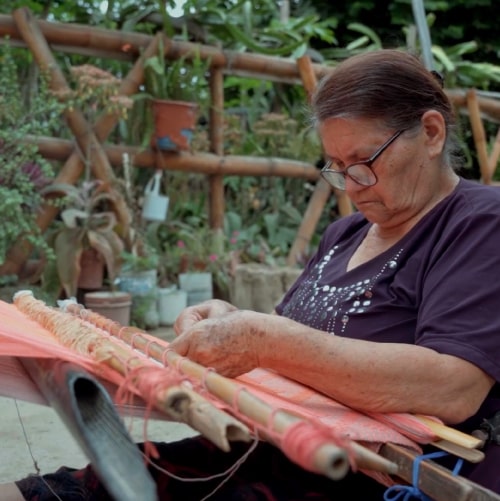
191	315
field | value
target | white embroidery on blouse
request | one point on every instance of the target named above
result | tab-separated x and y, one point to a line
328	307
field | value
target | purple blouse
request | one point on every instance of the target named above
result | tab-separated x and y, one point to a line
438	287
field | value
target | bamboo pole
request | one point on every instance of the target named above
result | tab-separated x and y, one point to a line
329	459
322	189
495	154
115	44
73	166
79	125
490	107
118	44
176	401
479	136
203	163
447	433
216	181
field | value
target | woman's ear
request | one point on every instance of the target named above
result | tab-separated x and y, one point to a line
435	132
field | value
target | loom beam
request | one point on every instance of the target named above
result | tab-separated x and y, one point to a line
88	412
434	480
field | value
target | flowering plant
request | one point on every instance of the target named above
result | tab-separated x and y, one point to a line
191	249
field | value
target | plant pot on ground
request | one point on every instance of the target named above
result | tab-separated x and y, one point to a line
89	221
138	276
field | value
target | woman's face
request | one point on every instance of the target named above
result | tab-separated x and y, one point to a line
408	178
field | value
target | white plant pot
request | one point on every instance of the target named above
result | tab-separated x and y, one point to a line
198	286
171	301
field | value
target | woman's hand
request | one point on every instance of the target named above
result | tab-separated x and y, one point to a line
227	342
191	315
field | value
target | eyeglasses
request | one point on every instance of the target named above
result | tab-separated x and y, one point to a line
360	172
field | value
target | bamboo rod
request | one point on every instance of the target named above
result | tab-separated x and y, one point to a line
322	190
115	44
451	434
479	136
495	154
216	181
73	166
202	163
471	455
123	43
329	459
89	144
177	402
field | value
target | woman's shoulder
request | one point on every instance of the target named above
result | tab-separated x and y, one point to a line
477	197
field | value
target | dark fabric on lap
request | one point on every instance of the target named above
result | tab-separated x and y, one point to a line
265	475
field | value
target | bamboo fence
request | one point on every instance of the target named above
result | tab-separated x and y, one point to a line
41	37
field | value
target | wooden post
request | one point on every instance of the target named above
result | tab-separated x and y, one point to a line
73	168
322	190
216	182
479	136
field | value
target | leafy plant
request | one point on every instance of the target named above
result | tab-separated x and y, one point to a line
24	171
87	221
183	80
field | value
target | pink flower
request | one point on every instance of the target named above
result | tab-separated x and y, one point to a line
181	244
212	257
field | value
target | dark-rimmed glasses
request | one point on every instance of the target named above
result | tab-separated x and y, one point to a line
360	172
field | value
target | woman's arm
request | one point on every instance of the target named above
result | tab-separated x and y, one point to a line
376	377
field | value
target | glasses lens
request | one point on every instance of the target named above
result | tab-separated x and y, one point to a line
336	179
362	174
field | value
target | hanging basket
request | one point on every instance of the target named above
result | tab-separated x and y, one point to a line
175	122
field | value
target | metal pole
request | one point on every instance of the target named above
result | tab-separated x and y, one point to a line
423	33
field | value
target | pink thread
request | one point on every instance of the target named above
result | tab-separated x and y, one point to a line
300	441
132	338
164	356
235	399
119	334
145	350
204	377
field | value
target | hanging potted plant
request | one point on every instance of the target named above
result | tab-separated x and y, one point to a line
168	106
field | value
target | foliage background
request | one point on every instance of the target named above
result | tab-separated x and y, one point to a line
270	119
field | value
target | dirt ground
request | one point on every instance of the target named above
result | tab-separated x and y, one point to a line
33	436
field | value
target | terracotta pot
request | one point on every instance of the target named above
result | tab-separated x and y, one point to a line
92	270
114	305
175	122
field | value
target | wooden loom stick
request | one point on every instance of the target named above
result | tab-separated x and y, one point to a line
329	458
447	433
434	480
178	403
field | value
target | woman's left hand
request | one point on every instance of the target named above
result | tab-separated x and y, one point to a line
228	344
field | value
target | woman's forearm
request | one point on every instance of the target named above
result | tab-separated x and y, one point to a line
375	377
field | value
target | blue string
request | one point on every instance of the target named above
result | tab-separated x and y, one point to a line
407	492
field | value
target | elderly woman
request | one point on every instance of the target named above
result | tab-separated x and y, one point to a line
396	312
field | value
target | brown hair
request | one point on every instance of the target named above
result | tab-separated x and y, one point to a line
387	85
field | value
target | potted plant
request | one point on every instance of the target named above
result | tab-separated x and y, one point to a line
199	257
87	233
168	106
139	277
